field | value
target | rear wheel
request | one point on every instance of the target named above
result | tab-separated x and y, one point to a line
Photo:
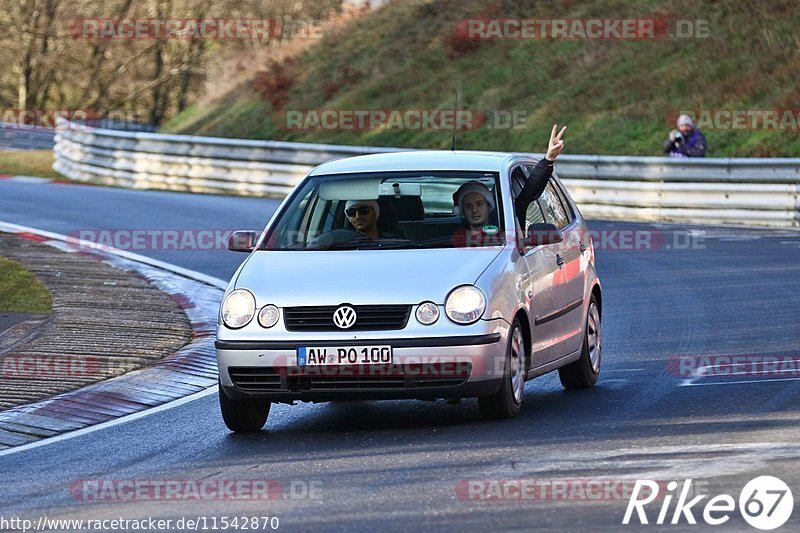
506	402
243	415
584	372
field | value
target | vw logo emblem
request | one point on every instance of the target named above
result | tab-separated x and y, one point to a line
344	317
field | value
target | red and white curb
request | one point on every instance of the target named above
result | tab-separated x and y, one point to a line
188	374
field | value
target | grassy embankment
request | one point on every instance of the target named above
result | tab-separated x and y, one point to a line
615	95
28	163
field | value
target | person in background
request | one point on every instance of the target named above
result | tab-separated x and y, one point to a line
686	141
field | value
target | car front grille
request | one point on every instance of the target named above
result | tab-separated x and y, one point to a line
342	378
368	318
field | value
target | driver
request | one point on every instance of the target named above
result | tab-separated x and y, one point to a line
363	215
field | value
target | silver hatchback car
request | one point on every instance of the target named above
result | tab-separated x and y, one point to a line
410	275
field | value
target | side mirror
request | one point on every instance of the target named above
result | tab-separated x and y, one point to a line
542	234
242	241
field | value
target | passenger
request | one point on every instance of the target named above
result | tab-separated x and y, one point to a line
534	186
475	202
686	141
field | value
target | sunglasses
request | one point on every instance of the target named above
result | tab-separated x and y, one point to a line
362	210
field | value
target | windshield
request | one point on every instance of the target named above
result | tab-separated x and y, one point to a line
391	210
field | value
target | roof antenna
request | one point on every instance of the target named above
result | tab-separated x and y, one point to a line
455	111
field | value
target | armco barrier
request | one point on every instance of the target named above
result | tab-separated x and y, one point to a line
16	137
712	190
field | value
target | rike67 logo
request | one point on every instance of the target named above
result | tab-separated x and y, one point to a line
765	503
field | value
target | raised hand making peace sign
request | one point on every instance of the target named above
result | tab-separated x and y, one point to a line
556	144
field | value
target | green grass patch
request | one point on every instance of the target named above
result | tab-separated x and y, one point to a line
28	163
615	95
21	291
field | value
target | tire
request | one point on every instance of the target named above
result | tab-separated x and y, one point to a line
243	415
507	401
584	372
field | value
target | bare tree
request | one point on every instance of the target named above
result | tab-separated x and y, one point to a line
53	63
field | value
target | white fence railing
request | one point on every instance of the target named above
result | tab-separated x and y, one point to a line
711	190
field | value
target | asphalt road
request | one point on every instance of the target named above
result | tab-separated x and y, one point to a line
395	466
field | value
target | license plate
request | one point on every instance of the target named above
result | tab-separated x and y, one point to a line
343	355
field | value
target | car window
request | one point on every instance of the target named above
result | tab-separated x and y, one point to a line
303	215
519	176
410	210
564	203
551	206
532	211
534	214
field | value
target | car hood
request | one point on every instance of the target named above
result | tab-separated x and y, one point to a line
360	277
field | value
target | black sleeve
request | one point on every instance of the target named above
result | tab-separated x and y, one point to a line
669	146
533	189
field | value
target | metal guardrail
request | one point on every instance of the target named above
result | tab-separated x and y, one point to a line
14	137
711	190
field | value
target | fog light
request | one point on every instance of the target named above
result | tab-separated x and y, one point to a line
427	313
268	316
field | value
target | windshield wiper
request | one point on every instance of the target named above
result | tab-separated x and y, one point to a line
372	243
446	239
394	243
451	240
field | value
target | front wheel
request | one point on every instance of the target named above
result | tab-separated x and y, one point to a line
507	401
243	415
584	372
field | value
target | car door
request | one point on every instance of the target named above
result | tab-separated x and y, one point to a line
543	279
567	319
576	249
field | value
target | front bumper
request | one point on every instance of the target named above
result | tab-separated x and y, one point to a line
423	368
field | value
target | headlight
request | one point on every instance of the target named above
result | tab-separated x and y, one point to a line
427	313
268	316
238	308
465	304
